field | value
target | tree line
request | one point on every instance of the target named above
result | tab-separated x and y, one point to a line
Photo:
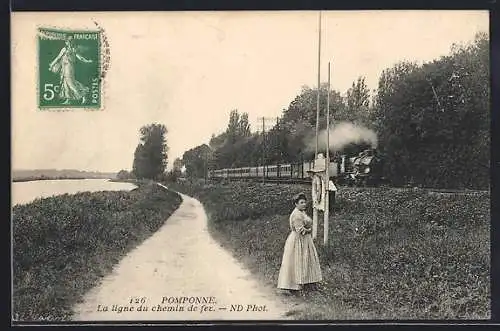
432	122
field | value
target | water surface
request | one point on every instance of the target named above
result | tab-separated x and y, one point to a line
25	192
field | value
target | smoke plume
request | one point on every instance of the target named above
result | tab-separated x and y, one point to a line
341	135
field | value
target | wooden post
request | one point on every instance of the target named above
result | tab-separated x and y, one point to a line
263	150
319	85
315	211
277	131
315	214
327	171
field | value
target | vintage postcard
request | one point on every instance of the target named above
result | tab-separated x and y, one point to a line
242	166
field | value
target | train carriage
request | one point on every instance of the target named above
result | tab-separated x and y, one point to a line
296	171
252	172
361	169
285	171
272	171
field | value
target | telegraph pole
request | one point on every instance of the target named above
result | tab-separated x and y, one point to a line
278	151
263	150
319	83
315	211
264	144
327	175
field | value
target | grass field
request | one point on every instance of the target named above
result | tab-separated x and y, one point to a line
393	254
63	245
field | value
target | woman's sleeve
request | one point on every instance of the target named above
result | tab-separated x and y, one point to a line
298	224
308	218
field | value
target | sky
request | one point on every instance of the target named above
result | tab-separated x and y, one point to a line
188	70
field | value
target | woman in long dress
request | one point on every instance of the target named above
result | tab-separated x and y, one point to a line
64	64
300	263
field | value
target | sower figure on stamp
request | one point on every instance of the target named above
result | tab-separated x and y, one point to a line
64	64
300	264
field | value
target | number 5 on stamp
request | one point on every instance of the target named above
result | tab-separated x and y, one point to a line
69	69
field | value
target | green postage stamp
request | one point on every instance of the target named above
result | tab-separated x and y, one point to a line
69	69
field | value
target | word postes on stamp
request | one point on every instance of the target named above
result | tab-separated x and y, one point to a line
69	69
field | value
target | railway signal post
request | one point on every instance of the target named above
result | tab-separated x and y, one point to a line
327	165
319	188
264	145
315	211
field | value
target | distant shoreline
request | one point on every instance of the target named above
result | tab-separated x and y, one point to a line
32	179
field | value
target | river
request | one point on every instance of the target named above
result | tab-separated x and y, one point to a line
25	192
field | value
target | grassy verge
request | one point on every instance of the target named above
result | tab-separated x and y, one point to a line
393	254
63	245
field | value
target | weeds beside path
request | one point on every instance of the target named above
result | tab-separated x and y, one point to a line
63	245
393	254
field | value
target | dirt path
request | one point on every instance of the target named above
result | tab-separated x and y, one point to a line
180	262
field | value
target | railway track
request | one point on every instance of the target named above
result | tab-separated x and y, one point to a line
444	191
340	187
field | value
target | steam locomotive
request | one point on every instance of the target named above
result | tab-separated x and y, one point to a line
358	170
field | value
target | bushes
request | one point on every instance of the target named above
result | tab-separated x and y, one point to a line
434	120
63	244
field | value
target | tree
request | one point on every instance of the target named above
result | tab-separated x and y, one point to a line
123	174
233	128
173	175
177	165
150	157
140	164
231	147
288	141
358	100
244	126
433	120
197	161
217	142
387	89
